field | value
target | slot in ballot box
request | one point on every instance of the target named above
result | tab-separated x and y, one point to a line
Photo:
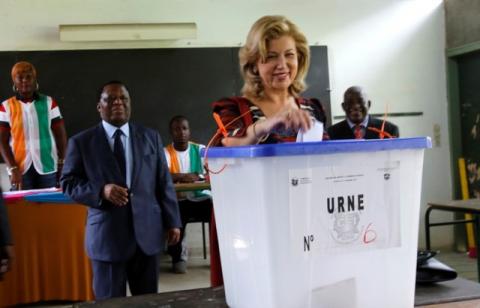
322	224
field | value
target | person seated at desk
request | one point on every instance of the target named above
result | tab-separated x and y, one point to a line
273	63
185	165
358	123
6	246
33	139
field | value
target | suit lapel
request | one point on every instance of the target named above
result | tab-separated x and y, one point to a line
347	131
137	153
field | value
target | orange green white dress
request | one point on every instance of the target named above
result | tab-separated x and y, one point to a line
30	126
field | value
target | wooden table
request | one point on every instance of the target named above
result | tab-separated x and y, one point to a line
180	187
470	206
185	187
50	262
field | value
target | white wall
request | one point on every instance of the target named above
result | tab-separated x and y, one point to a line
394	48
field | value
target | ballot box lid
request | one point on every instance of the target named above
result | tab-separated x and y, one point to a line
322	147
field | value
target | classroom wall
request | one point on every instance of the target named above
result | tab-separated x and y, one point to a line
394	48
462	22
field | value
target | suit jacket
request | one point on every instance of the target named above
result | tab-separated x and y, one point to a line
342	130
112	232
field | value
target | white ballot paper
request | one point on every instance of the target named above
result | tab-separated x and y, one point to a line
315	133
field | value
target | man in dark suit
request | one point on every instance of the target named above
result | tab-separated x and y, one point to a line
358	123
118	170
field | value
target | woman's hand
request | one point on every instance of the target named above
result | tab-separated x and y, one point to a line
16	179
295	119
59	174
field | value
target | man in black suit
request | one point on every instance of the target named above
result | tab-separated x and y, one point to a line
358	123
118	169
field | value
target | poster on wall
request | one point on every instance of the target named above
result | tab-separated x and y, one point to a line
344	208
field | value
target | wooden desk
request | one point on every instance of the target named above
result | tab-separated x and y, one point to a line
185	187
50	263
179	187
471	206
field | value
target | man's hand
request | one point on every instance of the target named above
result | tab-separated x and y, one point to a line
7	255
185	177
190	177
116	194
173	236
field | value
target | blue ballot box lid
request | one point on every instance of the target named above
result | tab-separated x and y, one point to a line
322	147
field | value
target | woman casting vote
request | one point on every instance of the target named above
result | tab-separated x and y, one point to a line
273	62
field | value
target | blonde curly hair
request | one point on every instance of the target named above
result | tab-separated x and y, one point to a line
264	30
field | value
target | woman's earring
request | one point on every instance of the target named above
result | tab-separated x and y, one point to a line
38	87
14	88
255	70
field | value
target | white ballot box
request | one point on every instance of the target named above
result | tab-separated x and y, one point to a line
321	224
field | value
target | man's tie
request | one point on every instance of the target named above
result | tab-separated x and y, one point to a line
119	152
358	132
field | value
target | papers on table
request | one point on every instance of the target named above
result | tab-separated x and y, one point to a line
50	195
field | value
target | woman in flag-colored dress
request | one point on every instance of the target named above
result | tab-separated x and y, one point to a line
32	133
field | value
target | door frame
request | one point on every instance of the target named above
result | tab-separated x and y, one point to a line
454	117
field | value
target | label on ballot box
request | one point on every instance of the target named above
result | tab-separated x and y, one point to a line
343	208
